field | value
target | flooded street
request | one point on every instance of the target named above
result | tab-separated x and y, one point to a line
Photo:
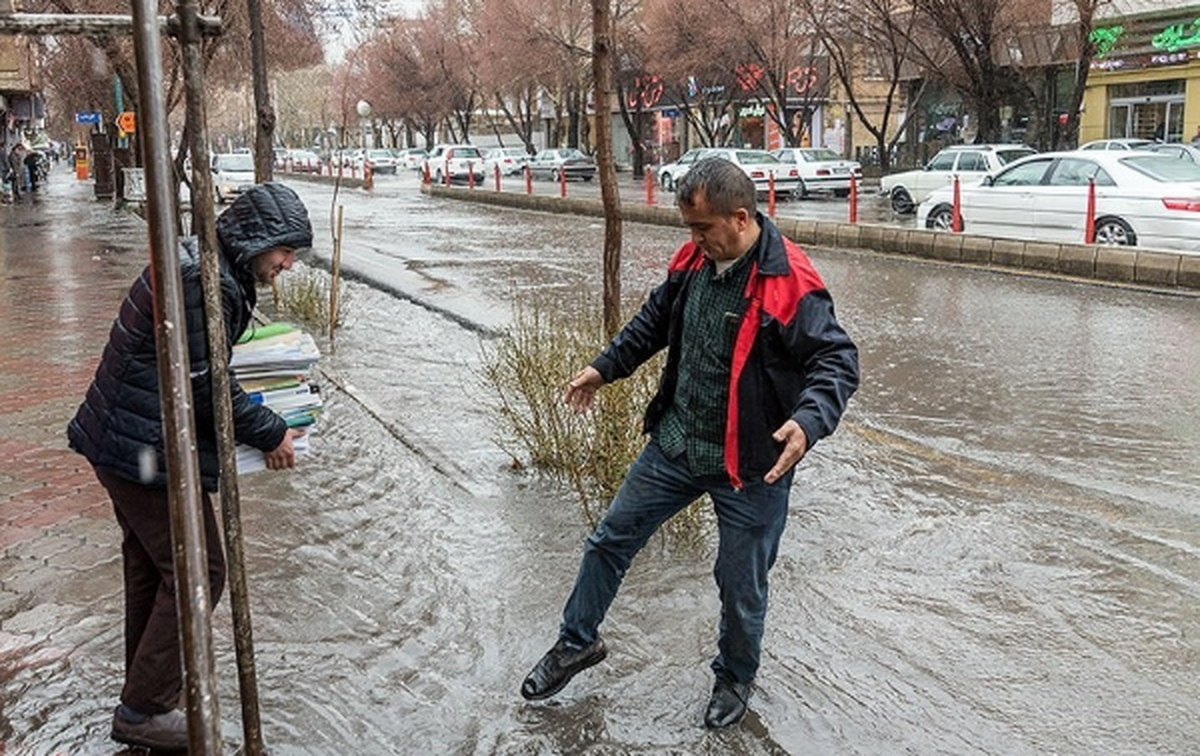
997	553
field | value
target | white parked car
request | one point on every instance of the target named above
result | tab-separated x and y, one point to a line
510	160
669	174
412	158
233	173
763	168
459	162
821	170
1118	144
970	162
1142	199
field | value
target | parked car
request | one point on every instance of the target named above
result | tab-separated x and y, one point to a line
669	174
412	158
302	161
380	161
762	167
1141	199
821	170
510	160
556	162
233	173
970	162
1176	150
460	162
1118	144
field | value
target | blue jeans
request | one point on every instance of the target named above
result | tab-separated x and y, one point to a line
750	524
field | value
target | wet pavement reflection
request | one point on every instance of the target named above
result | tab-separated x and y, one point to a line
997	553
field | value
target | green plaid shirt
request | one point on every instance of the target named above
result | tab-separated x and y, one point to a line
694	424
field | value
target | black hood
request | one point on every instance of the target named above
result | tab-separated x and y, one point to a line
262	218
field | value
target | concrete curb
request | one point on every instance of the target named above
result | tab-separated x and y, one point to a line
1159	269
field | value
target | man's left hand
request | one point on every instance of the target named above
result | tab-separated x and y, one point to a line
795	442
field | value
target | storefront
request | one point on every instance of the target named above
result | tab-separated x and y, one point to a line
1145	79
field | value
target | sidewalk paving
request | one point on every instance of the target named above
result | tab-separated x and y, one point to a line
59	291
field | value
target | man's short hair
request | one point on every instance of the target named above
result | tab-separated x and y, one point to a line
724	184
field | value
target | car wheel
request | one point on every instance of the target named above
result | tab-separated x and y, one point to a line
437	177
667	182
901	201
841	193
1115	232
941	218
801	191
587	178
554	175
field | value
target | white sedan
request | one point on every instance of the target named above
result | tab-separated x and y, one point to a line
821	170
1142	199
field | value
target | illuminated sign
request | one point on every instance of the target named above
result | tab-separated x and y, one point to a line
1177	36
1105	38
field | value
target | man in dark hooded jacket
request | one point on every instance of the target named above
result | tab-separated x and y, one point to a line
119	429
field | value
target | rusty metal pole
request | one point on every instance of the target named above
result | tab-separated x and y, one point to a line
264	130
170	326
204	226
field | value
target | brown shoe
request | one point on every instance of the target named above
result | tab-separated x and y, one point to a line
161	732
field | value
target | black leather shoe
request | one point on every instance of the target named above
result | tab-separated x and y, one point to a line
727	705
558	666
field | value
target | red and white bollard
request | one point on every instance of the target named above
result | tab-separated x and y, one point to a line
956	223
562	183
528	180
650	187
853	198
1089	231
496	171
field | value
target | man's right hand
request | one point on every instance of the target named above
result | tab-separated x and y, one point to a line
582	389
284	455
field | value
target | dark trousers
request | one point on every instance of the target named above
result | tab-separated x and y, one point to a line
153	662
750	524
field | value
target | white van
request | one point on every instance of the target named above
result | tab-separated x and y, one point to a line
233	173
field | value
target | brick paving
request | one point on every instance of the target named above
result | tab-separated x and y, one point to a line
66	262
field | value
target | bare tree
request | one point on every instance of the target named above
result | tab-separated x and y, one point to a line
869	44
978	32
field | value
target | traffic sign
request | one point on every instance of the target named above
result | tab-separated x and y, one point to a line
127	122
86	117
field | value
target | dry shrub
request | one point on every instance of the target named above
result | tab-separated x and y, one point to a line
528	368
303	293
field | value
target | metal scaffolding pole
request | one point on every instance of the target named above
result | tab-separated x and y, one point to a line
204	226
183	469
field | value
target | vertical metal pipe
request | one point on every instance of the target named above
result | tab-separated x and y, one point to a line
183	468
204	226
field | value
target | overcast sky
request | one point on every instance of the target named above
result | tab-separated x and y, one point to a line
347	32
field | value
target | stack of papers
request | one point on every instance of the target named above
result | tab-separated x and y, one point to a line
274	365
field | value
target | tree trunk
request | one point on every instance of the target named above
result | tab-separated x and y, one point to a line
609	192
264	132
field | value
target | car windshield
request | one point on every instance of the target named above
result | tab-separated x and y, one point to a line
820	155
377	154
754	157
466	153
1007	156
1163	168
239	162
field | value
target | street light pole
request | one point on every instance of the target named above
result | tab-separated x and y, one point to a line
364	114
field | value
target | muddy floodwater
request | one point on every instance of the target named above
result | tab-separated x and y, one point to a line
998	552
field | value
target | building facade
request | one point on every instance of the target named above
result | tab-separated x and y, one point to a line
1145	79
22	107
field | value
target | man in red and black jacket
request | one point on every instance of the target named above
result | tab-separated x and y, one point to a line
758	370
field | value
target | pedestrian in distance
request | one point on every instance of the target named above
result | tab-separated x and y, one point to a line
16	169
119	428
757	371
